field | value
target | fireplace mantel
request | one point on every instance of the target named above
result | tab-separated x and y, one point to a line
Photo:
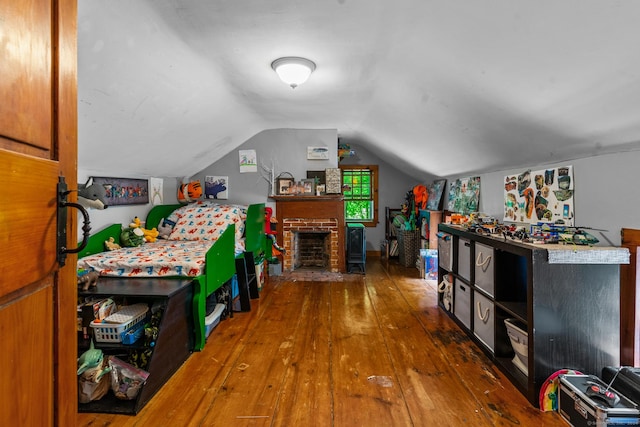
312	208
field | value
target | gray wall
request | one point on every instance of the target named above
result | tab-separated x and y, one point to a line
607	194
286	149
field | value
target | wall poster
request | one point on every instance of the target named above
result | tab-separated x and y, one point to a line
436	190
216	187
464	195
540	196
248	161
124	191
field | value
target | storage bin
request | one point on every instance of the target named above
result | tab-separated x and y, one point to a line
483	268
518	336
212	320
409	245
464	258
483	321
114	326
462	302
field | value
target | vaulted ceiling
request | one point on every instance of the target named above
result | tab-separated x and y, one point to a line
444	87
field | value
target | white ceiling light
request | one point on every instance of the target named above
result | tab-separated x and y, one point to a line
293	70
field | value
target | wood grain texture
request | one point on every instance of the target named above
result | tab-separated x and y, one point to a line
369	350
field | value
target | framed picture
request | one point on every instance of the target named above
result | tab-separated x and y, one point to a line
317	153
124	191
320	190
436	190
333	181
216	187
285	186
318	176
308	187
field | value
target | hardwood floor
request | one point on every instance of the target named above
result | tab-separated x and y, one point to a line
369	350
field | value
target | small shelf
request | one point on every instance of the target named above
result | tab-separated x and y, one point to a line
172	346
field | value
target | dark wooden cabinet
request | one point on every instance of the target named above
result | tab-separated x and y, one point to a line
565	298
172	347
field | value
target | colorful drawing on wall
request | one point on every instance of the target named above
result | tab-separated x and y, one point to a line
436	190
124	191
540	196
248	161
464	195
216	187
156	185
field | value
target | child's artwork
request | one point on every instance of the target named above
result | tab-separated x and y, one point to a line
216	187
436	189
540	196
464	195
248	161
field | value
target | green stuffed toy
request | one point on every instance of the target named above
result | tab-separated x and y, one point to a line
132	236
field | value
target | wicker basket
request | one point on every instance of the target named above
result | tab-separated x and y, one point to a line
409	247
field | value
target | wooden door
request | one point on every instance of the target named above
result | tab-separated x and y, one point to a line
38	144
630	300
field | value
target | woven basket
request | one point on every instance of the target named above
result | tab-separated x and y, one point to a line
409	247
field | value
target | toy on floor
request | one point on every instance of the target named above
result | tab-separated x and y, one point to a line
270	233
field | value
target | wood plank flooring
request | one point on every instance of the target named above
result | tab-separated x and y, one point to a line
368	350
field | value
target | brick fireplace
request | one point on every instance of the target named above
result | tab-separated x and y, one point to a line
308	225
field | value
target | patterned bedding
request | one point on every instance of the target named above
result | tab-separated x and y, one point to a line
158	259
197	227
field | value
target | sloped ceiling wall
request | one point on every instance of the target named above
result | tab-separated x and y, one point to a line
443	87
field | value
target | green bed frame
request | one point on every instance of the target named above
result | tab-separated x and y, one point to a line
220	260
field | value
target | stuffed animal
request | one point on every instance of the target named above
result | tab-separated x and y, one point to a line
111	244
164	228
190	192
88	280
92	196
149	236
132	236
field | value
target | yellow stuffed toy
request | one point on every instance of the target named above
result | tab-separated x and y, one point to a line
150	236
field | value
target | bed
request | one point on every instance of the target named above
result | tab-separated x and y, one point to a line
206	244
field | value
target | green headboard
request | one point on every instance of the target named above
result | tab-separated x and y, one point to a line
157	213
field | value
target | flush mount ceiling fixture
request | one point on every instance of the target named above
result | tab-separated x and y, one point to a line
293	70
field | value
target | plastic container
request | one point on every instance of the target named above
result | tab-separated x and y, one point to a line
114	326
519	341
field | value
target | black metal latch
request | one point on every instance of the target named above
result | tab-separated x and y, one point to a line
62	223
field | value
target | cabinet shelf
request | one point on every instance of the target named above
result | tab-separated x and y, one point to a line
172	346
569	310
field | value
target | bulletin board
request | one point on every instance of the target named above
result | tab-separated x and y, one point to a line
545	195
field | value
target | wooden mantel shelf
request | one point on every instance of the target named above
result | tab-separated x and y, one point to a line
310	198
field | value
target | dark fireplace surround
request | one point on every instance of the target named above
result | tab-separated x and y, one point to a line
315	223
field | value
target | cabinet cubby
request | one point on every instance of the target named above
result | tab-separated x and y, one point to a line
568	303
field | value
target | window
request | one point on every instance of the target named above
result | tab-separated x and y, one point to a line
360	191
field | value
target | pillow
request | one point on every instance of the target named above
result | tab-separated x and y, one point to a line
206	221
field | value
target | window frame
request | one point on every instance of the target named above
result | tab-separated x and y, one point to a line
374	197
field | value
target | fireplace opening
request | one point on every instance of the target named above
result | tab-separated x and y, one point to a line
311	250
